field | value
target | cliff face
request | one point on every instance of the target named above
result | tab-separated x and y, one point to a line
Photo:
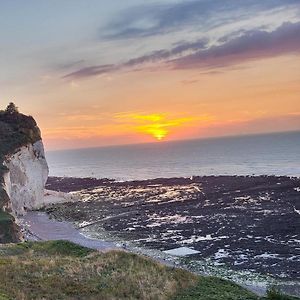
23	170
26	177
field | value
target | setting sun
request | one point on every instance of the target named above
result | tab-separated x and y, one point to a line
157	125
158	131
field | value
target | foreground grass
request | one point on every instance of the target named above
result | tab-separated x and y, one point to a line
212	288
62	270
215	289
7	226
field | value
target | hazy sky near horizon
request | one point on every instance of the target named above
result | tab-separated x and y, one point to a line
101	72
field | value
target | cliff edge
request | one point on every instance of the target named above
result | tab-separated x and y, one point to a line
23	169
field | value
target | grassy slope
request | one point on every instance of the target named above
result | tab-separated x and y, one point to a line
62	270
7	228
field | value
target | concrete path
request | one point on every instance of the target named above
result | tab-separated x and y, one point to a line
38	226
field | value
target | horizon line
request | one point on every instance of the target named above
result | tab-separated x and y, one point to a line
177	140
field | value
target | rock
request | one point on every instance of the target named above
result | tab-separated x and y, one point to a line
26	177
23	171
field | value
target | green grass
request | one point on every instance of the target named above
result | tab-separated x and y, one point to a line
5	217
212	288
52	248
8	232
63	270
4	297
274	294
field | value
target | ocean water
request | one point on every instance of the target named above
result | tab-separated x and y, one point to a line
269	154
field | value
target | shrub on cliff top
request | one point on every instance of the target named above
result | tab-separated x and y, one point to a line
11	108
16	130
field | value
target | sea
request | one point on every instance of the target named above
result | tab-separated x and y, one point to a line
266	154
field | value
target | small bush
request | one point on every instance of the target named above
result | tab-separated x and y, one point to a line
3	297
275	294
212	288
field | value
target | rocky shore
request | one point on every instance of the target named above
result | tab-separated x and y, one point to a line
240	222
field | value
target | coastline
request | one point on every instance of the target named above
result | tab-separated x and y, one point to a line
89	190
38	226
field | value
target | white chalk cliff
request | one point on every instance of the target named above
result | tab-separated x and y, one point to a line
26	178
25	181
23	172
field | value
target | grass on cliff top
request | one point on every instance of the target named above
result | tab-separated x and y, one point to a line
62	270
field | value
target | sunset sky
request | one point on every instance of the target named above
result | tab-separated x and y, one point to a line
97	72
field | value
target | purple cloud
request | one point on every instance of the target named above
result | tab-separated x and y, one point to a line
163	18
250	45
91	71
149	58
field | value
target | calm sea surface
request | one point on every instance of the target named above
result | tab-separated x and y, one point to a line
270	154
